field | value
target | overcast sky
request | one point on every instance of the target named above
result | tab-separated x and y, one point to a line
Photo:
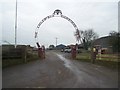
99	15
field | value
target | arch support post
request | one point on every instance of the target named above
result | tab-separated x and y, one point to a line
41	51
73	52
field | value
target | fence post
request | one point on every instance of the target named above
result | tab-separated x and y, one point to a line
93	54
25	55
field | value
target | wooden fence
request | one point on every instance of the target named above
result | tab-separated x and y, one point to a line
9	52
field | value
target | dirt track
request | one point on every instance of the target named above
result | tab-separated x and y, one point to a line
58	72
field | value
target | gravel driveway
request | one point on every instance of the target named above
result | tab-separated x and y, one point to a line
58	72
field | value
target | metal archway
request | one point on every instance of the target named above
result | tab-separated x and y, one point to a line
58	13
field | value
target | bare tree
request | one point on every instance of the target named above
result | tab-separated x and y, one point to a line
85	37
88	36
115	41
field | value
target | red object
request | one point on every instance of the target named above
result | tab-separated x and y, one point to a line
40	52
73	52
43	52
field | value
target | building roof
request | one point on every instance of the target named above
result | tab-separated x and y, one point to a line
60	46
104	42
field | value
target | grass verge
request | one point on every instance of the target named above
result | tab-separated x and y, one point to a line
107	62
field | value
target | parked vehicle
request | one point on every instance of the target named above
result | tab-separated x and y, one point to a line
67	50
62	50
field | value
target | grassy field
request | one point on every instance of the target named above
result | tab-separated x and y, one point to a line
107	60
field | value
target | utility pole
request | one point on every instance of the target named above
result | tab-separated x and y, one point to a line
16	26
56	40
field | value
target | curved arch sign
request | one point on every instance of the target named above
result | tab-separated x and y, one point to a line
58	13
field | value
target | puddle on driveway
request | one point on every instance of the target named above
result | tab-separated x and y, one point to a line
70	65
67	63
